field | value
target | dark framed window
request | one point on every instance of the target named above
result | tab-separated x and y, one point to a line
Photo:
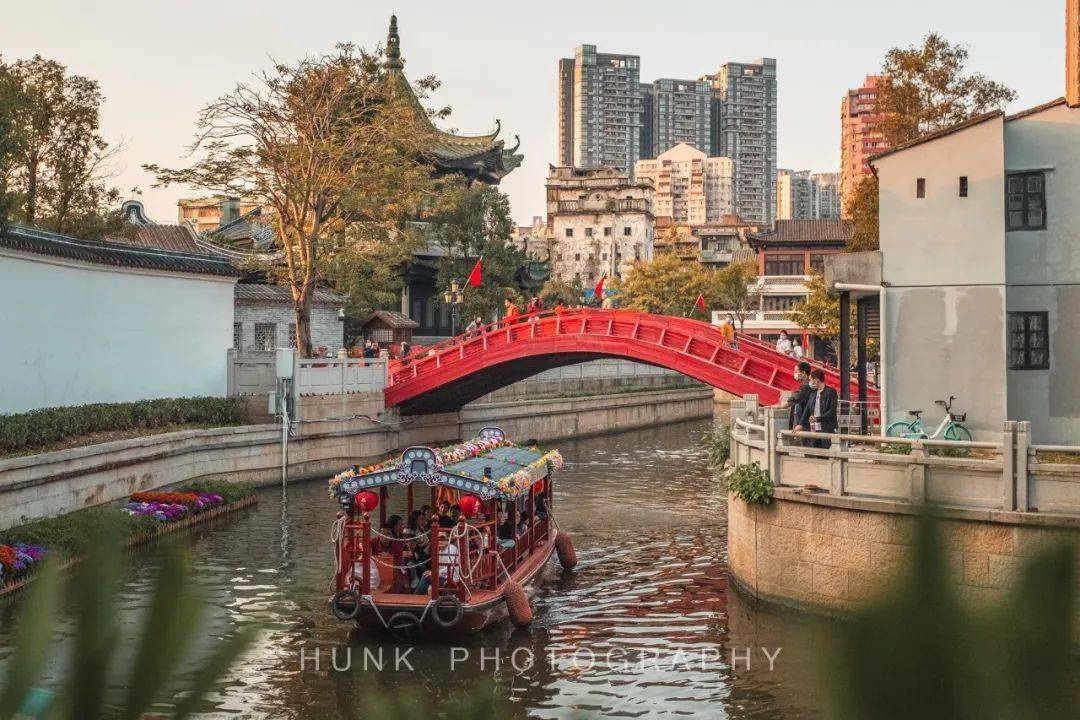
817	262
569	232
963	186
1029	341
784	264
920	187
1025	201
626	230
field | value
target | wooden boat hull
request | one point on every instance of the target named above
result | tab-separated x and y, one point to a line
485	609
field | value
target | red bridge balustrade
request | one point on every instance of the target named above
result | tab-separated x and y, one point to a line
446	376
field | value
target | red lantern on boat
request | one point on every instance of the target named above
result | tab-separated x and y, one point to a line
470	505
538	486
366	501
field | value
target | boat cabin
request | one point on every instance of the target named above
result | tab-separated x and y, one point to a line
436	535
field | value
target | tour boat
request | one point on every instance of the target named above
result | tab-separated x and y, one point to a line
476	578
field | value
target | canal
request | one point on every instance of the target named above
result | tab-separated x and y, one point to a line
645	627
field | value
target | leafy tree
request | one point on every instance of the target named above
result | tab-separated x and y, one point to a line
925	88
736	290
819	312
330	143
54	163
559	291
665	285
862	209
474	223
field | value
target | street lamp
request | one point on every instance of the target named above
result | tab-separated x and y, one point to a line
453	297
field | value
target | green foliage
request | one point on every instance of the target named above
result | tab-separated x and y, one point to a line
861	207
670	286
54	163
924	88
920	651
558	291
168	634
474	223
40	428
751	483
718	446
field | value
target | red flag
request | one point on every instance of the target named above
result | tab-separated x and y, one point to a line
599	290
476	276
699	304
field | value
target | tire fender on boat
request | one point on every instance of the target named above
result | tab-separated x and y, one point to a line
564	546
346	604
447	611
517	604
404	626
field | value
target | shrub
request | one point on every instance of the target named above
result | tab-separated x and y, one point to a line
718	446
751	483
44	427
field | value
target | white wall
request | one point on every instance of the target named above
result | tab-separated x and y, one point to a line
74	333
1044	269
943	258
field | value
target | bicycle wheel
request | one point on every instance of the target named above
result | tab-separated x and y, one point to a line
956	431
900	428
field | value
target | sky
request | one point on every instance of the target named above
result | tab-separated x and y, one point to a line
158	63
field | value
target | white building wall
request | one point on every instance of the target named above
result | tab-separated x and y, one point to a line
1044	272
76	333
944	263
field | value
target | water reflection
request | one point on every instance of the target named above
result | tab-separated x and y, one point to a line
645	626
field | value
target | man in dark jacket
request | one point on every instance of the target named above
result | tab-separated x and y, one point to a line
799	399
820	413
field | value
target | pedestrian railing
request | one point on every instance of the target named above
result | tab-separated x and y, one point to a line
256	374
1001	474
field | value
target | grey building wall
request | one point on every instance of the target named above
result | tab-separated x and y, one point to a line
648	137
566	111
680	113
743	128
326	330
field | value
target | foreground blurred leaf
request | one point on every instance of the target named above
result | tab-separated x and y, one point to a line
31	639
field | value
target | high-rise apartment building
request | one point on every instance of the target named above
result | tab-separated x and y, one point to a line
805	195
648	137
679	112
859	139
688	186
744	129
600	109
599	220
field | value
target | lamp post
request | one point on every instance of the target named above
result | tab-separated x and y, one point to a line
453	297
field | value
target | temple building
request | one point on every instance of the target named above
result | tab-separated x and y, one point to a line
481	158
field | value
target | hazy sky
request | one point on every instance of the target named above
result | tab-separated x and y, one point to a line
158	62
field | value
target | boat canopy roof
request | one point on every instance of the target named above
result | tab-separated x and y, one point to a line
489	466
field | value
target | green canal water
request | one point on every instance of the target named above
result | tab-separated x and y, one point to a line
645	627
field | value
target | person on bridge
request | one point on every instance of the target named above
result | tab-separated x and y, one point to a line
820	412
511	311
727	328
473	327
559	307
534	306
783	345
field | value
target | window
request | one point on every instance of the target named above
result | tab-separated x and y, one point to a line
265	336
920	188
577	257
292	335
1029	341
588	232
780	302
626	230
603	256
784	264
817	262
237	329
569	232
1025	201
963	186
607	232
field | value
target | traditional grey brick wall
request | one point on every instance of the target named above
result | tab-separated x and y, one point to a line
326	329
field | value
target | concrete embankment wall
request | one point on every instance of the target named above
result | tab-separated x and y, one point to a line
325	442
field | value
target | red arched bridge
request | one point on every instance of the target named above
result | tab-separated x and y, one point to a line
457	371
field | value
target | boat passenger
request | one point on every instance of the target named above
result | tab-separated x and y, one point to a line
448	568
524	523
505	531
541	506
390	535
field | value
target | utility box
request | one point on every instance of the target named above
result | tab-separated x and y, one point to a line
284	362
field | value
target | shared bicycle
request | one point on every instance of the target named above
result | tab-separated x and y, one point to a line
951	427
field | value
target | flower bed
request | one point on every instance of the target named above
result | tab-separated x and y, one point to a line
145	516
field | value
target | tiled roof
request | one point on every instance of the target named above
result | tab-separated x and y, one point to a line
40	242
938	134
396	320
1035	110
257	294
803	232
178	238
